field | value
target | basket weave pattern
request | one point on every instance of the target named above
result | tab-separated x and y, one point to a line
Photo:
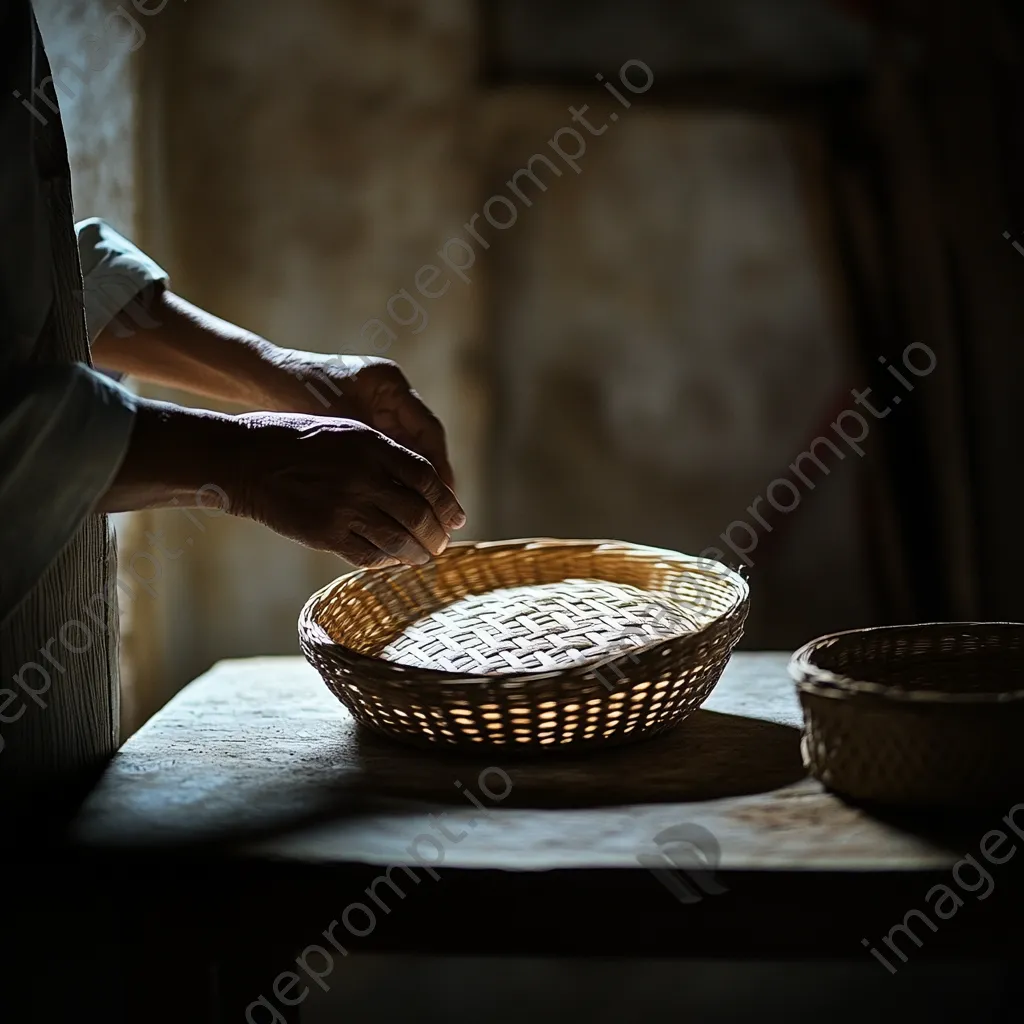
524	629
925	716
611	642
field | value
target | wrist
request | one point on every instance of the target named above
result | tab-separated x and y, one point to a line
180	457
292	380
271	375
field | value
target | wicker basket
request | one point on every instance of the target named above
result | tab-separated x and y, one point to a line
922	716
614	642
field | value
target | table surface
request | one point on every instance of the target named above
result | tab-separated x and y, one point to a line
259	754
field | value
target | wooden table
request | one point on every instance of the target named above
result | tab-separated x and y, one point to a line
251	813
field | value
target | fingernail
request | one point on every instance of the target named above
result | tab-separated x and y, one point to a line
419	557
459	520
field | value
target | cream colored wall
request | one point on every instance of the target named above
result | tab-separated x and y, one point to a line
91	61
307	159
665	345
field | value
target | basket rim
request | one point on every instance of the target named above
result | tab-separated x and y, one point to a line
312	633
811	679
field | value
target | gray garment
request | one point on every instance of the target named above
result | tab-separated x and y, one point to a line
64	430
115	272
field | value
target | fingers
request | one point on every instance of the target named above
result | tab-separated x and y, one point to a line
391	538
414	513
362	553
419	475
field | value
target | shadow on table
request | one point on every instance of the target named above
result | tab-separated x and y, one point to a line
172	813
709	756
232	801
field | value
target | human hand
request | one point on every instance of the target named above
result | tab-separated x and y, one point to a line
339	485
369	389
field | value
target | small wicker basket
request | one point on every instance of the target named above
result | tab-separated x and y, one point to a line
610	642
926	716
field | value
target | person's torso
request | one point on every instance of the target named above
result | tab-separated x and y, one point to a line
59	648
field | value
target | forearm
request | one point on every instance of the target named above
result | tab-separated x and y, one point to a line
178	457
176	344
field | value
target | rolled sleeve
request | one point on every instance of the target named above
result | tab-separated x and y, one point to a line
64	431
115	273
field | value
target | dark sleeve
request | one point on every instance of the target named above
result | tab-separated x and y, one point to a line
25	283
64	429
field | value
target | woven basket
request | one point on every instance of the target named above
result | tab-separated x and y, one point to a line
922	716
612	642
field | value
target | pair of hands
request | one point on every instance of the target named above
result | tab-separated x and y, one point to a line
365	476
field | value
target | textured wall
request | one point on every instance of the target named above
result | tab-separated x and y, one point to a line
639	355
785	39
664	347
309	159
91	61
